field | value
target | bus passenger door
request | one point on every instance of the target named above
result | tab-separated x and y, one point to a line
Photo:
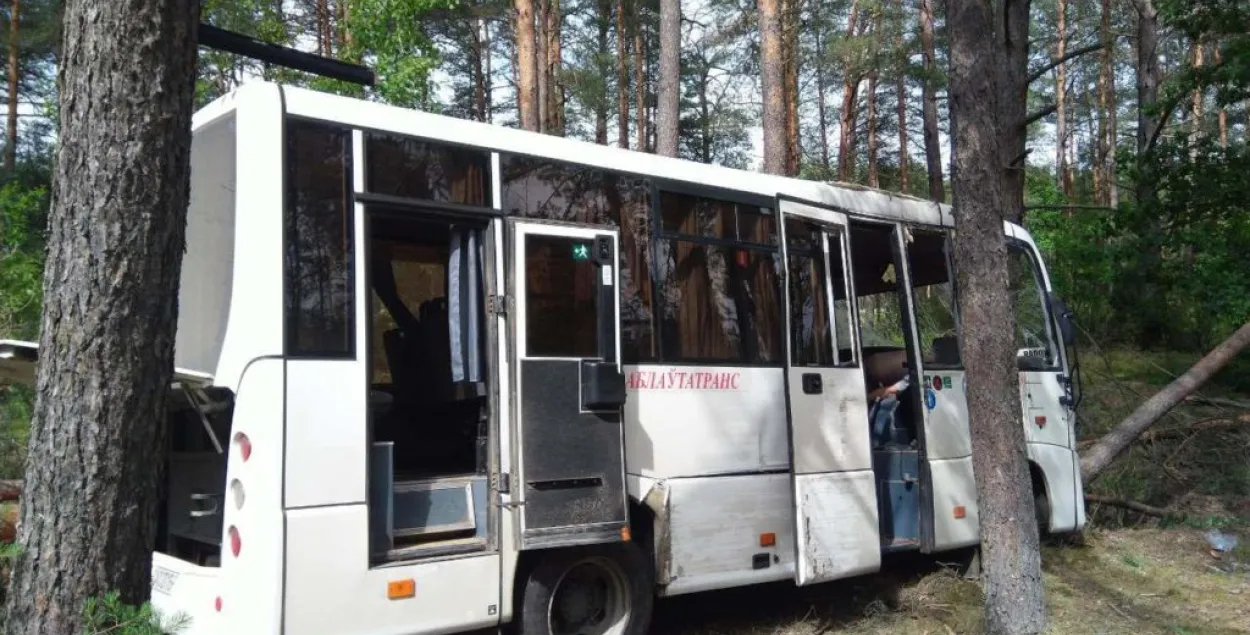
834	491
943	388
569	389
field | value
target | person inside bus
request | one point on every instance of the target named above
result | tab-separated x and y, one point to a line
883	405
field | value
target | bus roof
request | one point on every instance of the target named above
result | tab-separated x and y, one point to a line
852	199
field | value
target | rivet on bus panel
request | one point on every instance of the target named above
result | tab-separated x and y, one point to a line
768	540
400	589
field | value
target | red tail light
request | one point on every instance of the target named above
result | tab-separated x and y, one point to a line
244	443
217	604
236	544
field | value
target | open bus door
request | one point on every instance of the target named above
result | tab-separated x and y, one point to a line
835	497
570	476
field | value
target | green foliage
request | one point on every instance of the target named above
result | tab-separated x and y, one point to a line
390	33
110	615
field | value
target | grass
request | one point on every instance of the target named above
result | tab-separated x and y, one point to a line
1126	581
1131	574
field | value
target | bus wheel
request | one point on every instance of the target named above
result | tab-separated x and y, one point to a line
599	590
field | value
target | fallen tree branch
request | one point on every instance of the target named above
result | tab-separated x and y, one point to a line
1214	424
1217	401
1140	508
1111	445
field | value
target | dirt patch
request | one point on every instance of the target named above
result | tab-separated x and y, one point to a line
1129	582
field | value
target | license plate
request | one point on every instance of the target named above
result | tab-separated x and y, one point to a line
163	580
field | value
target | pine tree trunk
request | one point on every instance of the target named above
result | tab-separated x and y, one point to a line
115	243
670	78
1148	78
10	146
1061	106
488	53
601	105
323	27
478	51
640	83
1099	456
932	149
772	85
900	90
1219	60
981	88
790	55
540	60
850	102
874	179
1199	61
823	114
1014	109
705	118
555	69
527	66
622	78
1105	166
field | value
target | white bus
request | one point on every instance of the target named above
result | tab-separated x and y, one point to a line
436	375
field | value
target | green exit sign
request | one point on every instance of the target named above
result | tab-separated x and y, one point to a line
581	251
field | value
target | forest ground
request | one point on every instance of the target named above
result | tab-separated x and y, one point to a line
1127	573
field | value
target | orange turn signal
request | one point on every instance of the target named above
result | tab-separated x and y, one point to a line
768	539
960	512
625	535
400	589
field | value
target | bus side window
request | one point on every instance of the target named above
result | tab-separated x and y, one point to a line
1035	348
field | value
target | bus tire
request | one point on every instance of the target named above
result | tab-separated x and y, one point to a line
607	589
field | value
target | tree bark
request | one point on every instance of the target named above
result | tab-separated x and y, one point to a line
527	66
874	179
540	61
1111	445
115	242
1015	109
555	69
900	91
790	58
622	78
640	83
1148	78
1198	97
932	149
10	146
1061	106
601	105
670	78
1108	193
823	115
981	91
850	103
479	52
1219	60
772	84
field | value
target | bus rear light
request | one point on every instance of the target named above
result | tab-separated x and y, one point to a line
236	543
245	445
217	604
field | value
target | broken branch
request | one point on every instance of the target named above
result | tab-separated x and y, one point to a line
1115	442
1140	508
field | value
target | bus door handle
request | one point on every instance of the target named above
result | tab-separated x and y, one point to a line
812	384
200	513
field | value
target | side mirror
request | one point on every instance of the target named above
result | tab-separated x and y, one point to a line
1065	318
